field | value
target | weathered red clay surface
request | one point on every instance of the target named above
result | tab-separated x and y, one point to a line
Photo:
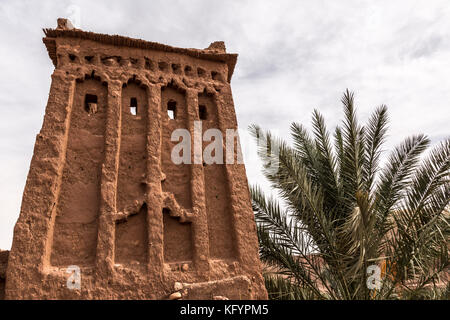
3	265
102	192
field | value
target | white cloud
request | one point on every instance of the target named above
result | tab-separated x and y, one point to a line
294	56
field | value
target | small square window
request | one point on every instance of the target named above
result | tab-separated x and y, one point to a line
202	112
133	106
171	109
90	103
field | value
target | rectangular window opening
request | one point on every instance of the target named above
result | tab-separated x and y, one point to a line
133	106
90	102
202	112
171	109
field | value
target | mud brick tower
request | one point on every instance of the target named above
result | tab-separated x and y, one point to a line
102	192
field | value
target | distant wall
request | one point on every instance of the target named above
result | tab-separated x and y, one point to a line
3	264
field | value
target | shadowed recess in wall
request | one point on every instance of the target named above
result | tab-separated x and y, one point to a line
133	145
177	236
131	240
220	227
76	223
175	116
177	239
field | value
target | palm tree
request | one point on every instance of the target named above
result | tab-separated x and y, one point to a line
344	228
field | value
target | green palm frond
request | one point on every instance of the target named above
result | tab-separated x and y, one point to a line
305	147
374	137
351	171
280	288
327	172
342	213
394	178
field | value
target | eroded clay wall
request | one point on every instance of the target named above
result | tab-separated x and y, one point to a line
177	177
76	222
217	193
131	237
3	264
114	202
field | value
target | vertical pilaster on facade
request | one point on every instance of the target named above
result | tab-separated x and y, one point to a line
56	128
200	220
153	183
108	189
41	193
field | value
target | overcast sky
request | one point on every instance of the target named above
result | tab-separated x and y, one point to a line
294	56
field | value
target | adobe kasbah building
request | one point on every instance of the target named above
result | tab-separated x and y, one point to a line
106	213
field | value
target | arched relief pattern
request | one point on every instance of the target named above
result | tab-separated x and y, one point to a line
131	238
76	222
130	203
131	232
154	69
176	182
133	144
